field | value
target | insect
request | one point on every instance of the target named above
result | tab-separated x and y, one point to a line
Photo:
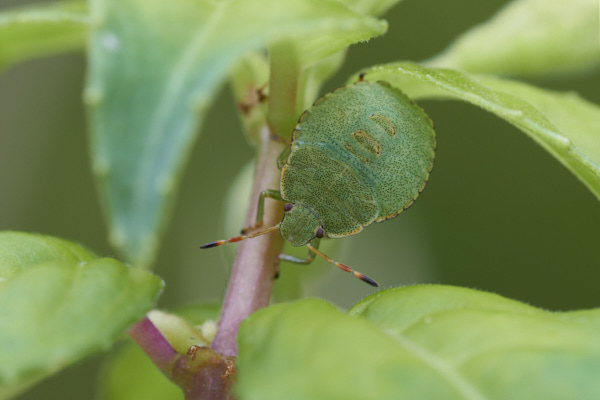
360	154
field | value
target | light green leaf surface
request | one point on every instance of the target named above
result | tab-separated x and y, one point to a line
40	30
182	332
59	306
311	79
371	7
565	124
422	342
153	71
530	38
19	250
130	374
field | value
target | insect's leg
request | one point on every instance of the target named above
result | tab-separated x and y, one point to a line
304	261
279	139
341	266
270	193
282	159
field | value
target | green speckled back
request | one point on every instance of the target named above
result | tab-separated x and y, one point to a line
361	154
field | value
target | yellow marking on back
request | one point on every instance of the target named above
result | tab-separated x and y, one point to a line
385	123
368	142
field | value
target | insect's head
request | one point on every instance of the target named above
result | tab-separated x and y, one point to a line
300	224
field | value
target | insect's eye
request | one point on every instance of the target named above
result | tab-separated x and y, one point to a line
287	207
319	233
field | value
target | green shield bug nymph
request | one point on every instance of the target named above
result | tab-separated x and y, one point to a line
360	154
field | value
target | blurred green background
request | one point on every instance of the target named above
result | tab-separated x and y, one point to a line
499	213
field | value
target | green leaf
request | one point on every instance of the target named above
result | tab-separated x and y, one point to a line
63	306
420	342
20	250
311	79
563	123
371	7
154	69
40	30
130	374
530	38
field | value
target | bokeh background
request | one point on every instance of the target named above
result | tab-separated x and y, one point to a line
499	213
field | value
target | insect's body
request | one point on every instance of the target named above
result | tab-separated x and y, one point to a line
361	154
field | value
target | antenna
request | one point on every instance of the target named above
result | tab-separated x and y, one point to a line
343	267
239	238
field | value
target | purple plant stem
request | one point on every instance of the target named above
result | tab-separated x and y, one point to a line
202	373
205	375
254	267
154	344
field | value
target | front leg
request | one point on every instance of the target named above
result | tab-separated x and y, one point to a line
282	159
270	193
307	260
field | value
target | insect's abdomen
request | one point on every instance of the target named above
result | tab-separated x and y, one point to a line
370	143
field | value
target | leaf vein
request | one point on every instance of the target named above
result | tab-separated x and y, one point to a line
455	379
